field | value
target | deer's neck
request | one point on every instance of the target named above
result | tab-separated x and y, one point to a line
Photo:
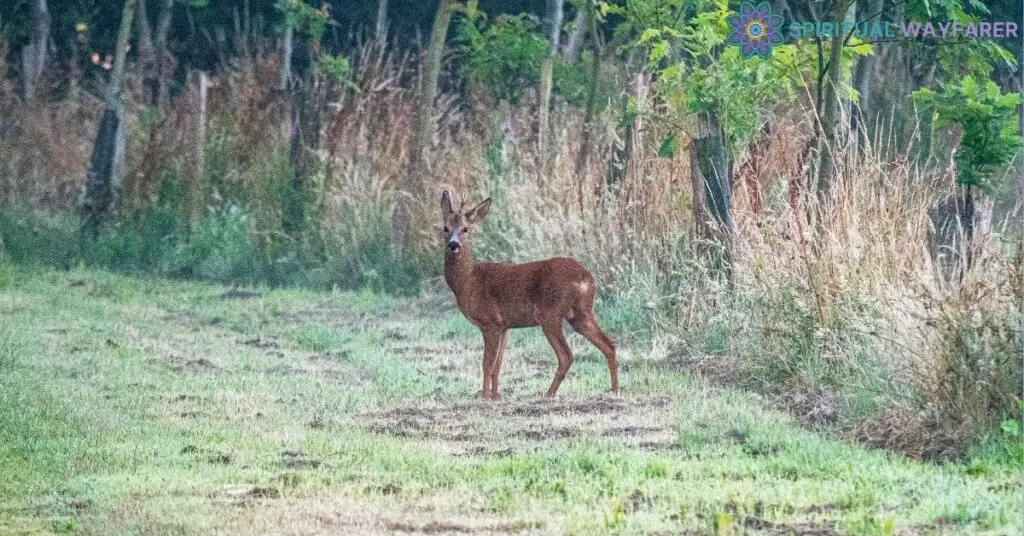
458	271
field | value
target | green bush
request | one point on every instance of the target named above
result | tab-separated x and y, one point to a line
361	257
35	238
222	247
505	57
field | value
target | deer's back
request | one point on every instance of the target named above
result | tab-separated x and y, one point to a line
514	291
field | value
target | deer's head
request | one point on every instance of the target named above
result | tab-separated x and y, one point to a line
458	226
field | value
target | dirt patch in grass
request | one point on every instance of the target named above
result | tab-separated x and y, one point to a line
911	433
350	515
197	364
207	455
471	428
248	492
291	459
449	527
799	529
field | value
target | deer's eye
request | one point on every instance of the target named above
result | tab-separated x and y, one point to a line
465	229
446	229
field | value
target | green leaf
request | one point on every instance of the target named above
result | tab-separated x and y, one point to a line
649	34
669	147
658	52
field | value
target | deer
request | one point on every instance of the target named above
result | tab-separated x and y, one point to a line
496	297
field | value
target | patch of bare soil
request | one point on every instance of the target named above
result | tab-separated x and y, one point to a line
788	529
186	364
269	346
291	459
207	455
344	515
914	434
498	428
243	493
448	527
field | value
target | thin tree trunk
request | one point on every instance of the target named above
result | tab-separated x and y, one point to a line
628	139
830	129
147	57
286	59
588	127
163	27
199	171
635	168
33	55
967	220
574	44
412	185
554	31
106	163
712	171
381	32
862	76
701	225
304	128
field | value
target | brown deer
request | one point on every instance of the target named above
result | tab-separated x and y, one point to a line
497	297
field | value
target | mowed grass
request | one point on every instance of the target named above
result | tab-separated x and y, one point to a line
146	406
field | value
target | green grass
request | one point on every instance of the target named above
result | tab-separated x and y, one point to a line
147	406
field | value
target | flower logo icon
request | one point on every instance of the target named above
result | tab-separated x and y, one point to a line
755	30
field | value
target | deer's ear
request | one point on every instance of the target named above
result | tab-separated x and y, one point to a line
446	203
478	212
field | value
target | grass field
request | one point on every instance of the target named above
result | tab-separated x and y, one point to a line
146	406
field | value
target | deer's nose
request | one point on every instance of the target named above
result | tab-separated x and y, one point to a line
454	246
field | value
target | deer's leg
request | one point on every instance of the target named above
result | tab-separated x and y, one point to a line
492	338
586	325
556	337
498	358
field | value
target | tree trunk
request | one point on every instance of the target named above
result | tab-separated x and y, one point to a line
194	199
701	226
588	120
163	27
107	159
623	168
412	184
33	55
554	31
711	168
304	128
286	59
147	57
967	218
574	44
553	24
381	32
830	131
862	76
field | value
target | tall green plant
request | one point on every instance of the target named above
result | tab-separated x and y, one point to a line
505	57
988	118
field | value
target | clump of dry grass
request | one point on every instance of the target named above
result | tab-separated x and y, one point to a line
866	319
